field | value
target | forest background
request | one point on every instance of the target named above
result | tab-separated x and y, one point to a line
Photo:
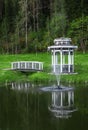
31	25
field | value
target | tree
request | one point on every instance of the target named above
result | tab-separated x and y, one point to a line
75	8
48	19
1	8
79	32
23	19
58	19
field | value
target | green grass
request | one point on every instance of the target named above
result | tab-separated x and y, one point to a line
81	67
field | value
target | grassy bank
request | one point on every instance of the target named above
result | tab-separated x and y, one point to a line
81	67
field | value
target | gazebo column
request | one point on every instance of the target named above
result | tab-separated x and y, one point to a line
72	61
61	61
54	60
63	58
69	61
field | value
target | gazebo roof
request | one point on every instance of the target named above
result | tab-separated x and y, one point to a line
62	47
62	43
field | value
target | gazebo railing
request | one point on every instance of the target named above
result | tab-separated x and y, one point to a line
65	68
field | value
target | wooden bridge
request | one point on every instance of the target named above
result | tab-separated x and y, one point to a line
27	66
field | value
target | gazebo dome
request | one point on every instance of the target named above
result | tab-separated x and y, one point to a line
62	41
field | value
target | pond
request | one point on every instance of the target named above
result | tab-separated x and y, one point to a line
23	106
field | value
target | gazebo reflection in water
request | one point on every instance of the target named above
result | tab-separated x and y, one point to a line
62	103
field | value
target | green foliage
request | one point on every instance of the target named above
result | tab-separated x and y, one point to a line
41	21
75	8
58	25
35	41
79	32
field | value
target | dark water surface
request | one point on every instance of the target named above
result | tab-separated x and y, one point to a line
26	108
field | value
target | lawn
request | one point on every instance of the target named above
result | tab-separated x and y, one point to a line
81	67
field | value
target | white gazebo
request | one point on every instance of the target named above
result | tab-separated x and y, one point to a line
62	55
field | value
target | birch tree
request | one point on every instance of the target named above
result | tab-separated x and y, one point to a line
23	19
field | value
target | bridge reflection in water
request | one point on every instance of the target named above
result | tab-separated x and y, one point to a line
21	85
62	103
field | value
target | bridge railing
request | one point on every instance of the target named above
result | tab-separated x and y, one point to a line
27	65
